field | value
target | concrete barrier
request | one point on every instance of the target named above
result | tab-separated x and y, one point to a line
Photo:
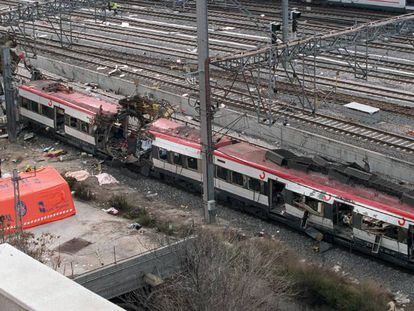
129	274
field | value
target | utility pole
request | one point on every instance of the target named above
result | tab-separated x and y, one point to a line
205	113
19	208
285	20
11	109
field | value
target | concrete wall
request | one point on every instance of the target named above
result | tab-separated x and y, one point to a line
291	138
303	142
8	304
128	274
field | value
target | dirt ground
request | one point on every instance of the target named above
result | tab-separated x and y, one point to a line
31	153
92	237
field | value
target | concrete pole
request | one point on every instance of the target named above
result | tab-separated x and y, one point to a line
11	109
205	113
285	20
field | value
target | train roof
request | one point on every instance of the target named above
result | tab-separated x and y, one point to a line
255	156
57	92
184	134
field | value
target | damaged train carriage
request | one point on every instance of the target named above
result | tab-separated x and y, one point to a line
344	204
87	122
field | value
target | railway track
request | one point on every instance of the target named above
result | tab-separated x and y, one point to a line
332	124
160	76
183	52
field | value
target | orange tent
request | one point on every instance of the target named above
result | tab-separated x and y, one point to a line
44	197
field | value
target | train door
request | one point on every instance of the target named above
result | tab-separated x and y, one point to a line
276	198
60	120
410	243
342	219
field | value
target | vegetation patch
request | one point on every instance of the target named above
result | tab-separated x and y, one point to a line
120	202
80	189
225	270
142	216
323	287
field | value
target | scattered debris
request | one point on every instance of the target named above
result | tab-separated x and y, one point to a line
106	179
78	175
135	226
28	136
4	136
55	153
17	160
391	306
151	195
401	299
111	211
46	149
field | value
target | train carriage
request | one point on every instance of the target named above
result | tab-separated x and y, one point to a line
73	116
387	5
358	216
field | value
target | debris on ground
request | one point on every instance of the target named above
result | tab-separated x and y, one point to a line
111	211
151	195
391	306
106	179
55	153
28	136
46	149
17	160
135	226
78	175
401	299
29	168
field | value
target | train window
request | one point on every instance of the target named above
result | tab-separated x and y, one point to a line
84	126
237	178
222	172
163	154
402	235
391	232
192	163
254	184
48	112
357	220
154	151
314	204
177	158
25	103
71	121
34	106
265	188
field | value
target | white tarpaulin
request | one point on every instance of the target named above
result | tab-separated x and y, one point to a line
78	175
106	179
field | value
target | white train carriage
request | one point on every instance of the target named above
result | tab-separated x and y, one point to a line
395	5
69	114
379	224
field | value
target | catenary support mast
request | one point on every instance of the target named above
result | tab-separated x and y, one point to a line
285	20
205	113
11	109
